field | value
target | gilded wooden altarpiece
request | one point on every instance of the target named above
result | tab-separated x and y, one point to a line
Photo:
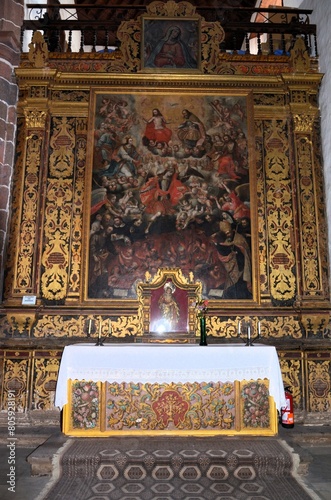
272	99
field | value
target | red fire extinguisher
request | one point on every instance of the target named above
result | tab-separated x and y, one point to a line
287	411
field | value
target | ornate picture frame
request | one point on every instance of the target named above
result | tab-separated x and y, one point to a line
171	44
167	306
171	180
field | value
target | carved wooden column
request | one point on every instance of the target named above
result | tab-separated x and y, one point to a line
313	292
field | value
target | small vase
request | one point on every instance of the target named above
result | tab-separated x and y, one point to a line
203	335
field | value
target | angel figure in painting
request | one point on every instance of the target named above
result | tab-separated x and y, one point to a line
168	306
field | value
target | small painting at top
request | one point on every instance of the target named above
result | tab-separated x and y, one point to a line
171	44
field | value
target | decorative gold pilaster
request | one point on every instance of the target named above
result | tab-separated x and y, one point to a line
25	277
279	213
58	210
76	244
311	276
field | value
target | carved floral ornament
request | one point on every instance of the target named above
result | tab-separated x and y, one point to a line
304	122
38	51
35	118
171	9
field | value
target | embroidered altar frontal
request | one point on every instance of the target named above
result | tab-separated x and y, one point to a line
147	389
229	408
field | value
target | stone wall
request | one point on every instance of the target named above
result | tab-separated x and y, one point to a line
321	17
11	16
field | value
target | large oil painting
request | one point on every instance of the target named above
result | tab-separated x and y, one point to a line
170	187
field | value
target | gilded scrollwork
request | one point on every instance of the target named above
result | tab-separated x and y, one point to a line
279	213
212	35
58	326
145	407
261	219
266	99
311	275
57	231
219	327
64	209
16	375
319	380
45	373
62	142
284	326
126	326
129	35
70	95
23	280
292	377
75	260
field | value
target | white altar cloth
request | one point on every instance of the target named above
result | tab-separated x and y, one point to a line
164	363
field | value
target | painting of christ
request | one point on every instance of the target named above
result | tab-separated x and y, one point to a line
170	187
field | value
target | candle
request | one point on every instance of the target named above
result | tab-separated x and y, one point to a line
89	326
259	328
249	332
239	327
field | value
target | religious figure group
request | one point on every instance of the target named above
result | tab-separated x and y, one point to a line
170	189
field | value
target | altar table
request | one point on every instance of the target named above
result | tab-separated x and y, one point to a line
169	389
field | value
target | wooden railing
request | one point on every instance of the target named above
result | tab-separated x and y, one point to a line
71	28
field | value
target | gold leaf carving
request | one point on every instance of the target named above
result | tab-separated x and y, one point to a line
28	222
291	370
35	118
16	374
38	51
63	144
299	56
303	123
319	385
170	9
45	378
212	36
311	277
21	322
279	217
55	257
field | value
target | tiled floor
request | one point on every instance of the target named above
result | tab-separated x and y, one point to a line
312	444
